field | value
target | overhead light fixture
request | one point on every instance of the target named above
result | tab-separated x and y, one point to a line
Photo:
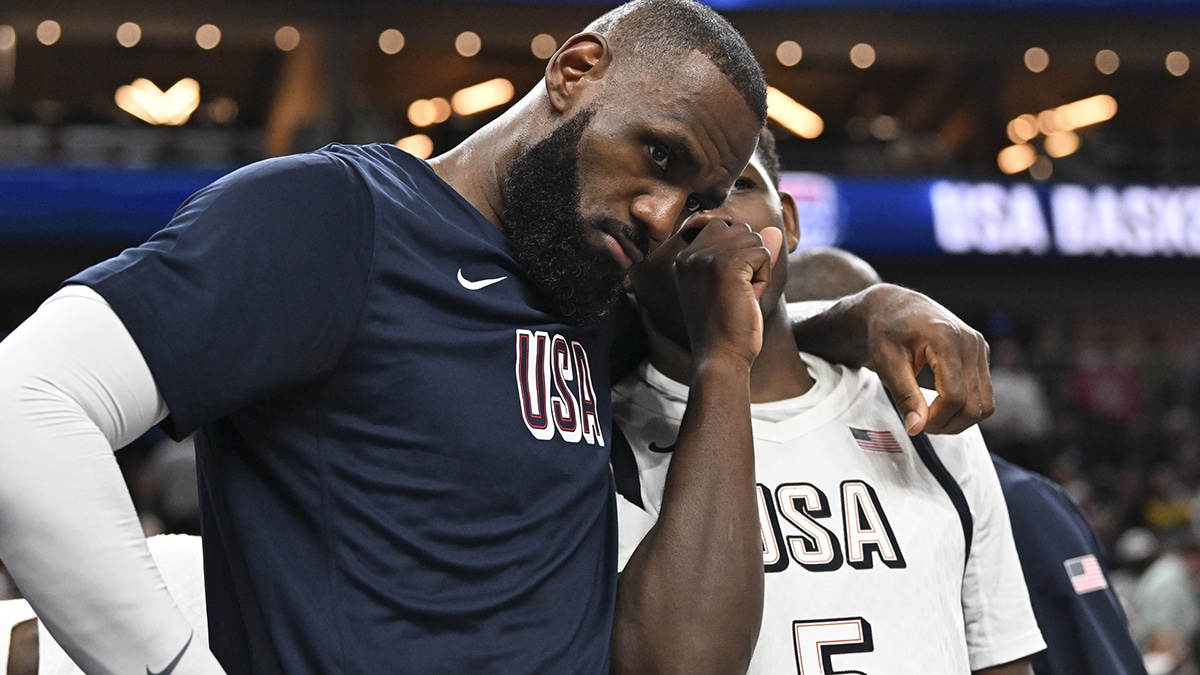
287	38
862	55
792	115
1036	59
1178	63
223	110
1088	111
208	36
468	43
48	32
418	145
1107	61
8	37
1047	122
789	53
145	101
885	127
424	112
479	97
391	41
129	34
543	45
1016	158
1041	168
421	112
441	109
1061	144
1023	128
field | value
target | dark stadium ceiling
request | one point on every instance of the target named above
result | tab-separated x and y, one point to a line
948	77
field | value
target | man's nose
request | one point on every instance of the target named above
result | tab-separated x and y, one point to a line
661	213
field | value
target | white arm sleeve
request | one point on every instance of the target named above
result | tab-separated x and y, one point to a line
74	386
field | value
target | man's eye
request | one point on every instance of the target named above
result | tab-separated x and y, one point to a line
693	204
659	156
743	184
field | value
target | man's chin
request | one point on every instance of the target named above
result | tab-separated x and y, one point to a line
589	304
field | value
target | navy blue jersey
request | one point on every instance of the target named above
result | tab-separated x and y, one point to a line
403	452
1081	620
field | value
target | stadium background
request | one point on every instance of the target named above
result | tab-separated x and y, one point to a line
1075	248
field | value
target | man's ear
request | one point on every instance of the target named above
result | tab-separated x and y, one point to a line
582	58
791	221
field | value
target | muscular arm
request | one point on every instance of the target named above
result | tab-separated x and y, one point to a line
690	598
896	331
73	387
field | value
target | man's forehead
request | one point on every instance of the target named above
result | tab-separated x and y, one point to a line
690	92
715	134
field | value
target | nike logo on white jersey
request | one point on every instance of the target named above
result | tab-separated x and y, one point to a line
476	285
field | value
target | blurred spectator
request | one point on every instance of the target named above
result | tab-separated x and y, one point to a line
1106	389
1164	608
1022	422
1169	503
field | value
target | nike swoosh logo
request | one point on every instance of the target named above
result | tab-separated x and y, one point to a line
476	285
670	448
174	662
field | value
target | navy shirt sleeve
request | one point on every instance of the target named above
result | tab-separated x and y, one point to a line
253	288
1086	632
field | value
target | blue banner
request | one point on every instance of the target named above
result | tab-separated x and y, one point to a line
897	217
886	217
91	204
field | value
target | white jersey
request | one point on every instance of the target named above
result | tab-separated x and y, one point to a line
865	531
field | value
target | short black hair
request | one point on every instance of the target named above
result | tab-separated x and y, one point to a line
661	31
766	153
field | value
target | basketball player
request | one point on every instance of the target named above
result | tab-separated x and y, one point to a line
398	377
883	553
1064	563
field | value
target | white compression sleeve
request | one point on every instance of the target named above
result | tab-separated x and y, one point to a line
73	386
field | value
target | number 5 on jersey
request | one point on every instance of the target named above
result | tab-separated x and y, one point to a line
817	641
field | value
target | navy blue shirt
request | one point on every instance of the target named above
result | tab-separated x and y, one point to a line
403	452
1081	620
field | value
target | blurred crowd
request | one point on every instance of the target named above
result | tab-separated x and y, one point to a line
1110	409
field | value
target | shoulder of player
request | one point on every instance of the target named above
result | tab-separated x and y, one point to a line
1033	496
293	182
1029	485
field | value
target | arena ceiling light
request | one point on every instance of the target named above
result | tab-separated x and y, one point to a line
129	34
1057	126
1086	112
424	112
1177	63
792	115
145	101
479	97
543	45
418	145
1016	158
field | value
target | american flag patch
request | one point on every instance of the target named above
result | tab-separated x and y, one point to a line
875	441
1085	574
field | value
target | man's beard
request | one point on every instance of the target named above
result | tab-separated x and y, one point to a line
549	234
